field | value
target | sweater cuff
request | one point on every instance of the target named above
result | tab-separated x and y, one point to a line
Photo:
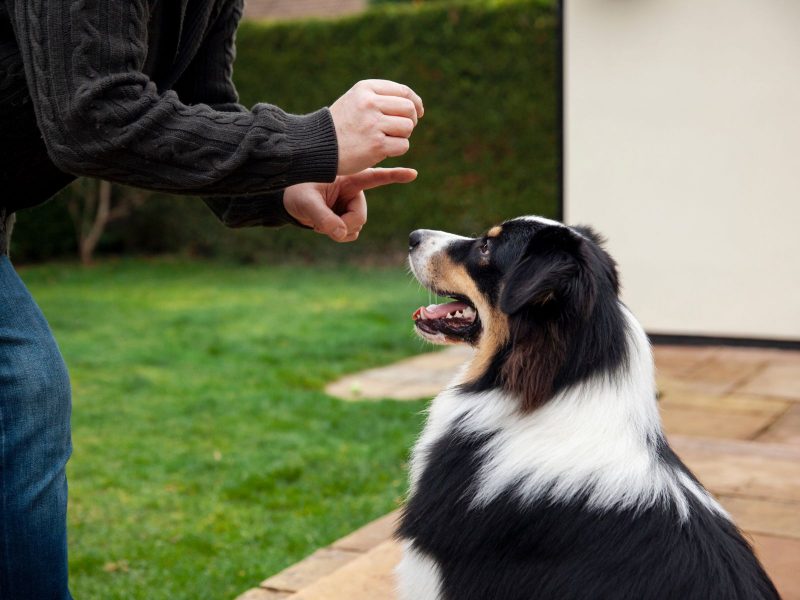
266	210
315	149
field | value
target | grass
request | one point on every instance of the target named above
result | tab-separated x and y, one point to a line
206	454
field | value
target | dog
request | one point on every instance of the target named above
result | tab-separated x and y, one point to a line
543	471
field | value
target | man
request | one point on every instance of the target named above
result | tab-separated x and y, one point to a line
139	92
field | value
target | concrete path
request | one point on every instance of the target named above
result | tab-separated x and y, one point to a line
418	377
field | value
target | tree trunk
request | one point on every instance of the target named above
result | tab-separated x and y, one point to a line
88	243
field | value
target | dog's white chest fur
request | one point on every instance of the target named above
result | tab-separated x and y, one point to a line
418	576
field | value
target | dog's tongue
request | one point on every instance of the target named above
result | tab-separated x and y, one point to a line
438	311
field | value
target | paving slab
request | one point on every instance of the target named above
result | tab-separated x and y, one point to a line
764	516
744	404
369	577
419	377
718	376
310	569
739	468
781	558
679	360
780	379
757	355
714	423
785	429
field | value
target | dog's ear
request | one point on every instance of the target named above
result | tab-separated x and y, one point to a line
546	295
549	279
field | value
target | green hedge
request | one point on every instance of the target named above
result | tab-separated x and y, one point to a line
487	148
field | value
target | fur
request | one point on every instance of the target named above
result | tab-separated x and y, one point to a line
543	471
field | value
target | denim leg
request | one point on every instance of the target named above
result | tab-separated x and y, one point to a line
35	407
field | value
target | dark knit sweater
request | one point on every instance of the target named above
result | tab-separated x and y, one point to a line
141	94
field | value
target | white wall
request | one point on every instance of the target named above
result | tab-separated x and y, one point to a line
683	147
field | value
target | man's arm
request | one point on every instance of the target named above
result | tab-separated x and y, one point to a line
101	116
338	210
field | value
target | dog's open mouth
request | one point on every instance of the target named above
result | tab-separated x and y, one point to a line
455	321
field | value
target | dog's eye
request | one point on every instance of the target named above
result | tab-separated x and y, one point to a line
485	247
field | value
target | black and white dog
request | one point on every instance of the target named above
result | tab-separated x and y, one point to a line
543	472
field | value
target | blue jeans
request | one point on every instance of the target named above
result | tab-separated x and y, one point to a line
35	407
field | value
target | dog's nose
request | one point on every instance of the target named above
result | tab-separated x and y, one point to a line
414	239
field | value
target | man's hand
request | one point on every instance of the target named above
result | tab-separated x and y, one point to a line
373	121
339	209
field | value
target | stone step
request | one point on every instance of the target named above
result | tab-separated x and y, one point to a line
324	561
368	577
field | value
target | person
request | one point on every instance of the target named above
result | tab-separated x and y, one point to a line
140	92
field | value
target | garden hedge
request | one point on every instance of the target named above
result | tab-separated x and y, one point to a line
487	148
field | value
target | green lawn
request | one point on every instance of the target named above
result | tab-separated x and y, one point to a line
206	453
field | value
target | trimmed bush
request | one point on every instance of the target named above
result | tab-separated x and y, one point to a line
487	148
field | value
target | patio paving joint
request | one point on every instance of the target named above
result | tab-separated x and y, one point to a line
777	417
747	377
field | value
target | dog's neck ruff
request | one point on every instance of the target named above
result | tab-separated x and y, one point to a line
597	441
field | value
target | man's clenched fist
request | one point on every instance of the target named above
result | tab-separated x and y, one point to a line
373	121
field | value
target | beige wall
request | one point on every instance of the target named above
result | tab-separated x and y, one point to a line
683	147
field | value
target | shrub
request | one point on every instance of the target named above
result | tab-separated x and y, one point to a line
487	148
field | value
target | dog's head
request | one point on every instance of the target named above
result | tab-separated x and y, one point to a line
538	299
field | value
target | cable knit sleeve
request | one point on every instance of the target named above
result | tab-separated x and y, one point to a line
101	116
209	77
209	80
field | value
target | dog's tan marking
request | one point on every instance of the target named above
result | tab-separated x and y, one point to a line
454	278
495	231
494	336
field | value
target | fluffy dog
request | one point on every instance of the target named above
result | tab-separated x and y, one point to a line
543	471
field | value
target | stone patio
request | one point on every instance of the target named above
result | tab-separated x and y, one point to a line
733	415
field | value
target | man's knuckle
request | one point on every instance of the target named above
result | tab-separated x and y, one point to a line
366	102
